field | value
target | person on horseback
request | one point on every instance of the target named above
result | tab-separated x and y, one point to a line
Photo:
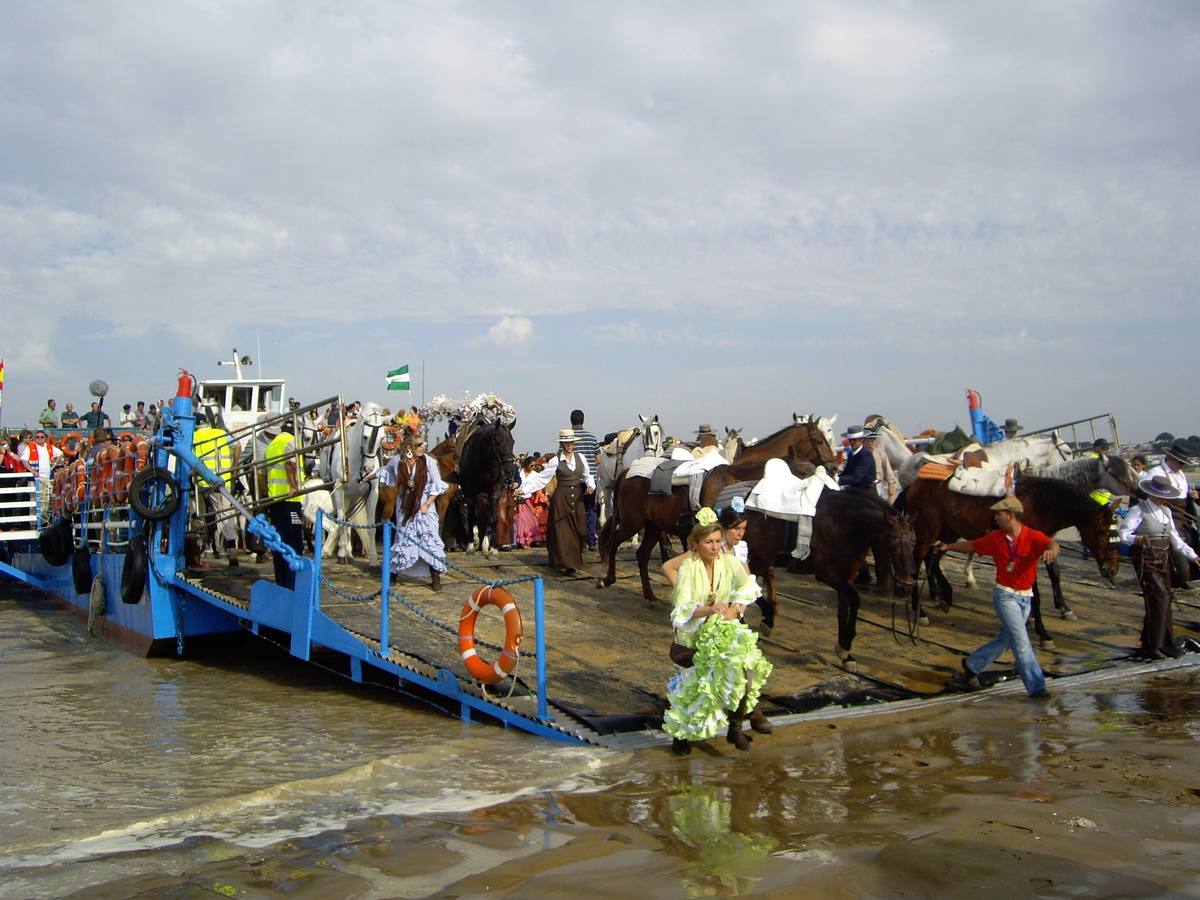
1150	530
1016	549
859	470
720	670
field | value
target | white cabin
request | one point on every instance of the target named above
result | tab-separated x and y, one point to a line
242	400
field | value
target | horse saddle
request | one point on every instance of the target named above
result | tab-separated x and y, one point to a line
980	482
782	495
662	479
615	445
936	471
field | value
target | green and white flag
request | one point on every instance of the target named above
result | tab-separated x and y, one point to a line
397	379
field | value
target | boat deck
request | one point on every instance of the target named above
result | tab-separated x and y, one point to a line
607	665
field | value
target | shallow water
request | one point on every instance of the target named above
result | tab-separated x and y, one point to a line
123	777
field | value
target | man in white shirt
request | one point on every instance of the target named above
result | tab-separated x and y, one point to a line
1150	530
1178	455
40	458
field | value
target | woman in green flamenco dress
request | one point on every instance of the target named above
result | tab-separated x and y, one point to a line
728	671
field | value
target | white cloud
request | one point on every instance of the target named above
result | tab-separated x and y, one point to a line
509	331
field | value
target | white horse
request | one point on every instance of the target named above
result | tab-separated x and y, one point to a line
353	501
617	455
891	440
1030	452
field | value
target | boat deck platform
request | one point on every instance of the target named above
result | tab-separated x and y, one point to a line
607	665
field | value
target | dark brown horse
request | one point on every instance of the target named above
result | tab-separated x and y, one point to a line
847	525
937	513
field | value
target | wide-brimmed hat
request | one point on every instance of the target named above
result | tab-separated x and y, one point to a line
705	429
567	436
1180	451
1012	425
1008	504
266	427
1159	486
856	433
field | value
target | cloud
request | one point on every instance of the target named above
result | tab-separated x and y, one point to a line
509	331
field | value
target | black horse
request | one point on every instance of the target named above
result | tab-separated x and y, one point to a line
847	525
486	467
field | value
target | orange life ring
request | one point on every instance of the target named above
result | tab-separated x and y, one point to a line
393	437
80	483
123	473
141	454
71	444
478	669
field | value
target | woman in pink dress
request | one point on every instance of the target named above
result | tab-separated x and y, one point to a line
530	532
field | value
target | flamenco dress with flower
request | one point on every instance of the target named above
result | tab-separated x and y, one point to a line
728	670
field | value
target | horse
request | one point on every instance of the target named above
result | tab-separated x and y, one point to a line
1112	474
617	455
1030	452
354	501
486	467
937	513
847	524
800	441
824	425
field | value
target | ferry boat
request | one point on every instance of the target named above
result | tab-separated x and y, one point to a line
108	542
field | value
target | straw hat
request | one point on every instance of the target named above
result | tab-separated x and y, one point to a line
1159	486
1008	504
705	429
567	436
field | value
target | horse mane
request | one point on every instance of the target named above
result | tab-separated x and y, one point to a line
1061	496
1079	472
811	426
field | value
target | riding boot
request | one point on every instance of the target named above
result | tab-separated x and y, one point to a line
736	736
759	722
435	580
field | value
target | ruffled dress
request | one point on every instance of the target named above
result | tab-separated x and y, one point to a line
728	666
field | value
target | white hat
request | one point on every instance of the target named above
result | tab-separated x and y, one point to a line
267	427
567	436
856	433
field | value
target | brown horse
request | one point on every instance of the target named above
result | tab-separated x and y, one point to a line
846	526
443	455
937	513
795	443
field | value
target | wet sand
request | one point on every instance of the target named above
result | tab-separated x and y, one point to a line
1092	793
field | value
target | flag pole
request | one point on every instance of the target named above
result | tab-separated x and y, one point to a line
422	382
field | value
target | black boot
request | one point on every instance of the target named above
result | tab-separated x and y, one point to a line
759	722
680	747
435	581
736	736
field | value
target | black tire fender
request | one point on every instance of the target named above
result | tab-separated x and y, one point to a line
81	569
55	542
134	570
144	493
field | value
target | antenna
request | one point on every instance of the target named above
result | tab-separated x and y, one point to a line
237	362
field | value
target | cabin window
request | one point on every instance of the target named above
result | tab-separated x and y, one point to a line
213	395
243	399
270	397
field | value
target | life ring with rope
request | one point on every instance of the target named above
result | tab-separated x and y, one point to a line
71	444
393	437
477	668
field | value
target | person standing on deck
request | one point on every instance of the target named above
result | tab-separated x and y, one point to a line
1178	455
283	482
589	448
1150	529
48	418
40	457
418	551
70	418
1011	429
566	525
213	447
1016	549
859	470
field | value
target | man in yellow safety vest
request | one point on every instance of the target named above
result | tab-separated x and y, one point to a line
213	447
283	482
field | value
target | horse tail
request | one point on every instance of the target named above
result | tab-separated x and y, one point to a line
609	529
900	504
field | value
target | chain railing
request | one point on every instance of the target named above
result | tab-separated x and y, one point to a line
386	594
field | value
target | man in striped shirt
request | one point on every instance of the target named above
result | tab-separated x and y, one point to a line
588	447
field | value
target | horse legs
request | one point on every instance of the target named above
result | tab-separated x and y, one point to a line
1060	601
1035	608
612	536
848	602
649	539
939	582
969	570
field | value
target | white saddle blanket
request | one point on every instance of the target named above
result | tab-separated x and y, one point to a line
978	482
783	495
645	466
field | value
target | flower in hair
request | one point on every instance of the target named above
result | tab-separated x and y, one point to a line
705	516
738	505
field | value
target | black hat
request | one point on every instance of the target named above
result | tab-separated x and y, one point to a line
1100	444
1180	451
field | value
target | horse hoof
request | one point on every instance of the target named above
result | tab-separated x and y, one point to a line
923	621
1048	645
849	664
1069	615
943	606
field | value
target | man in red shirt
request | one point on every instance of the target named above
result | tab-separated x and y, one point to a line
1016	549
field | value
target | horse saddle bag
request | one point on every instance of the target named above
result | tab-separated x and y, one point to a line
660	480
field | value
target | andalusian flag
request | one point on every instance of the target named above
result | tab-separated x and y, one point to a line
397	379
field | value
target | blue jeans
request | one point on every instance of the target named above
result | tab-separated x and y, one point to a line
1012	610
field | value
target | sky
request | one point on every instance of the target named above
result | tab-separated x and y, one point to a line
719	213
